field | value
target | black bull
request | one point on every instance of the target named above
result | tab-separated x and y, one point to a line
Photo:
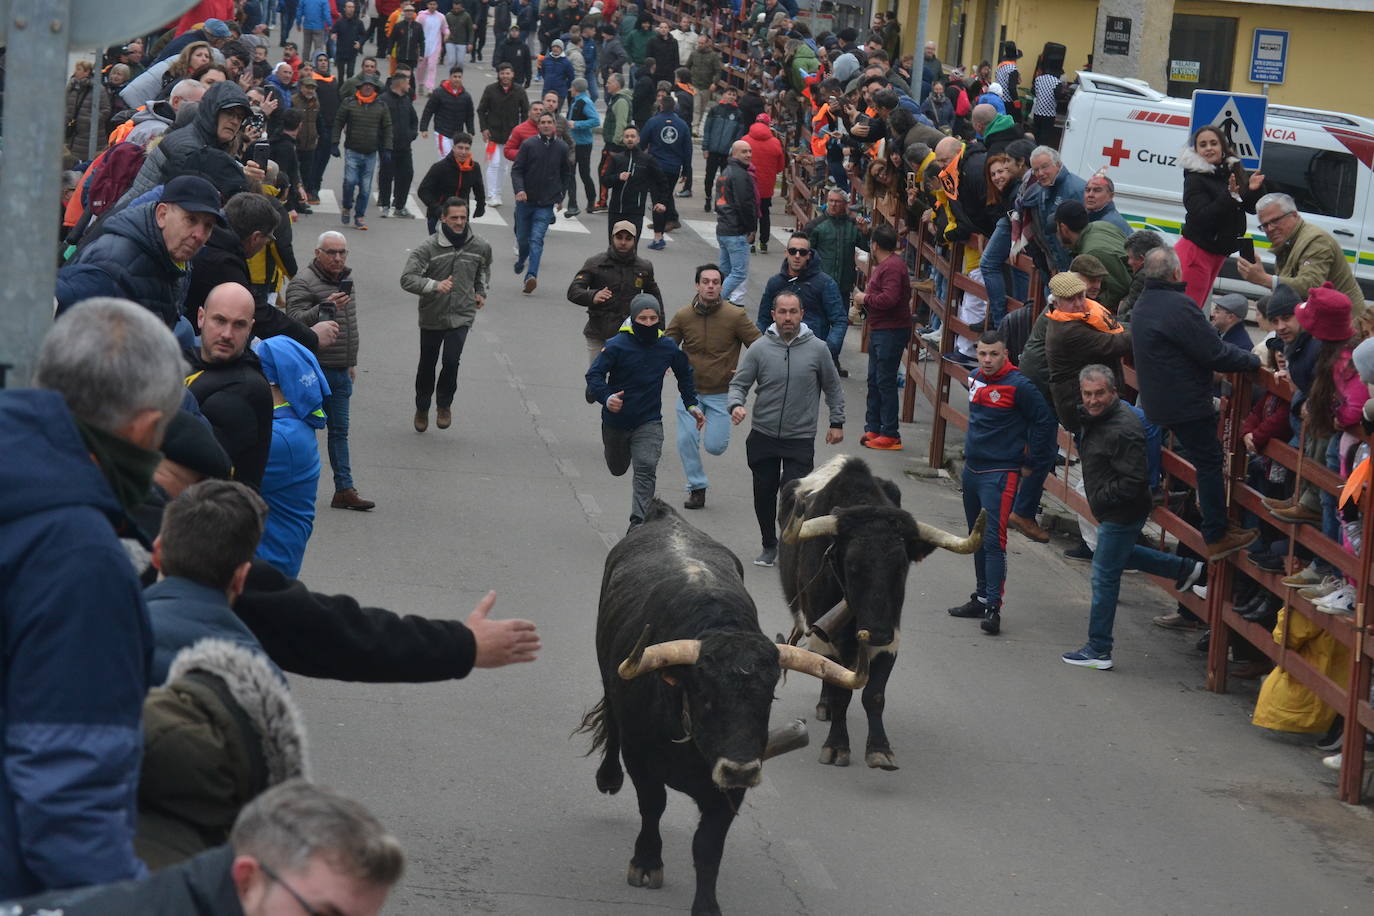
846	547
701	725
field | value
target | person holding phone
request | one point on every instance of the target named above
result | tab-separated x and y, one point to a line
1217	193
323	291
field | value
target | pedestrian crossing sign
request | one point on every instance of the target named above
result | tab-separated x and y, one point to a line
1239	116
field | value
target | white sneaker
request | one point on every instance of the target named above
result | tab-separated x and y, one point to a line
1200	591
493	201
1334	761
385	213
1341	601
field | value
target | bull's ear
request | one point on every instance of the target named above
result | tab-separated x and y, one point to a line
893	492
669	679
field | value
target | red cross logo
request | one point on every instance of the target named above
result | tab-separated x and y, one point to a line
1116	152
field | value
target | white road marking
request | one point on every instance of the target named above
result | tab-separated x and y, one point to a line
782	235
809	864
489	218
589	503
704	228
568	224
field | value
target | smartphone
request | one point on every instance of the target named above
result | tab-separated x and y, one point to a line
261	153
346	287
911	180
1247	249
328	312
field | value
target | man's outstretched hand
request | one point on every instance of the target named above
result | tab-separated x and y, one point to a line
501	642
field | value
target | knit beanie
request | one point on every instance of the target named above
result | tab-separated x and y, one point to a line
645	301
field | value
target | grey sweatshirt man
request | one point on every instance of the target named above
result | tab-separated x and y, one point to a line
790	376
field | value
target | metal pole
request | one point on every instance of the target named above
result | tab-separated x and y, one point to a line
922	14
97	87
31	183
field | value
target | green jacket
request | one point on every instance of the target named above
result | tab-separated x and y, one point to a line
433	261
369	126
618	113
1310	257
705	68
1105	242
835	240
804	60
636	43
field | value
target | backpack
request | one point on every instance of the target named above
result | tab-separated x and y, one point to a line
115	175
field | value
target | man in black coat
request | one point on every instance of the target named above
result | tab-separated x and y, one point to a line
451	108
607	284
512	50
398	170
1176	352
408	39
633	177
663	49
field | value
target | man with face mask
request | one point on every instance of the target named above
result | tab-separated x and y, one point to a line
627	378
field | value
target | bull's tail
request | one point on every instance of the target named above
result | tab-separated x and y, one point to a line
594	724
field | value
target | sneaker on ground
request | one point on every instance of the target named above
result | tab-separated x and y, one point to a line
571	211
657	245
883	443
385	213
402	213
992	620
1190	576
519	267
530	283
359	224
767	558
868	434
1088	657
973	607
344	217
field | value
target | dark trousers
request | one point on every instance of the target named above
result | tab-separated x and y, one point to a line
687	176
432	343
310	168
1197	439
715	162
669	214
321	154
377	29
583	153
765	220
992	492
479	37
345	65
396	177
773	462
288	19
885	349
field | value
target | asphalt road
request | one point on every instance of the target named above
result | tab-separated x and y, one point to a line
1026	786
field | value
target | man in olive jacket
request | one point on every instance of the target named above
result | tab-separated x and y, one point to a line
606	285
451	272
711	332
367	122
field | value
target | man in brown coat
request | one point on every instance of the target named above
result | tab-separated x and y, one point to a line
1079	332
711	332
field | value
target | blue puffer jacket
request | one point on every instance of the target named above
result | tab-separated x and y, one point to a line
582	117
128	259
637	369
76	649
558	74
822	308
314	15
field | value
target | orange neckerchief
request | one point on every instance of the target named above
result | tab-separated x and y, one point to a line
687	88
357	94
1096	316
465	165
949	176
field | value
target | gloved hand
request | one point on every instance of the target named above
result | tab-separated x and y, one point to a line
334	151
386	157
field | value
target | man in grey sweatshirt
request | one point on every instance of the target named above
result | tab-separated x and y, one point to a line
791	367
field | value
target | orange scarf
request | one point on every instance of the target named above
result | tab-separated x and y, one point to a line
1096	316
357	94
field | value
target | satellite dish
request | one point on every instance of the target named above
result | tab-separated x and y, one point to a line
95	23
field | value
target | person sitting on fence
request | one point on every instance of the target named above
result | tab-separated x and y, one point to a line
1176	353
1009	436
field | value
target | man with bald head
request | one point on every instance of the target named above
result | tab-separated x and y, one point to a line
226	380
156	118
737	219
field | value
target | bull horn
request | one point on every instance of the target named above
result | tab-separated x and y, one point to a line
820	526
660	655
786	738
932	535
805	661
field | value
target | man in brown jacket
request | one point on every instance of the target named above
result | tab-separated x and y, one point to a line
321	292
711	332
1079	332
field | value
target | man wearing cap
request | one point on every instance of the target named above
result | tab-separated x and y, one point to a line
367	123
1175	355
1305	255
558	71
539	176
407	40
1078	333
1101	239
144	252
215	32
1228	317
608	283
626	378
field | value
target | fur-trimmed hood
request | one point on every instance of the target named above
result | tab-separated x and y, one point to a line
1191	161
263	697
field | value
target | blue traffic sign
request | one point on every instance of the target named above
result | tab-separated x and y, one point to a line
1239	117
1269	56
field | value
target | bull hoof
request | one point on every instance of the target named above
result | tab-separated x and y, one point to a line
609	778
835	756
644	877
822	712
881	760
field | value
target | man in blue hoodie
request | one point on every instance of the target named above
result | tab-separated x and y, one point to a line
627	378
669	140
75	645
1010	434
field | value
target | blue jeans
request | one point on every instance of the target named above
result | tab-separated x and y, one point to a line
336	414
994	259
1197	439
531	223
717	436
1117	551
885	348
734	261
991	491
357	177
1331	520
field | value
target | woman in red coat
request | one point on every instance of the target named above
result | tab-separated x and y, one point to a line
767	163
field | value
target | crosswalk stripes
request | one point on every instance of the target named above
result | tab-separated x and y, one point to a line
329	205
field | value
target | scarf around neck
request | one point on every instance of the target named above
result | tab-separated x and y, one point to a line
128	468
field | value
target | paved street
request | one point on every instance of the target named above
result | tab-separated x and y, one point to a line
1025	787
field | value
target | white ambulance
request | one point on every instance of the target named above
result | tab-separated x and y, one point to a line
1324	159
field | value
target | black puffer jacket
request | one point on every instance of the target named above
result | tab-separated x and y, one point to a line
128	259
1115	469
1215	219
185	141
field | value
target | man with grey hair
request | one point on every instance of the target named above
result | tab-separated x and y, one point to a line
296	848
157	117
1305	255
1053	185
80	450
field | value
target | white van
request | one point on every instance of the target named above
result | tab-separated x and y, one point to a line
1324	159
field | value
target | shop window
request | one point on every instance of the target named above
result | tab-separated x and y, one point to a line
1201	51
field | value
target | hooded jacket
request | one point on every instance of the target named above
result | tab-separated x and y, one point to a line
625	275
451	108
501	109
558	74
445	179
822	308
1000	134
154	120
768	158
1009	424
1214	219
434	260
627	364
1176	352
185	141
646	182
736	202
664	52
583	119
790	376
723	127
712	338
128	259
1115	463
515	52
76	649
405	124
